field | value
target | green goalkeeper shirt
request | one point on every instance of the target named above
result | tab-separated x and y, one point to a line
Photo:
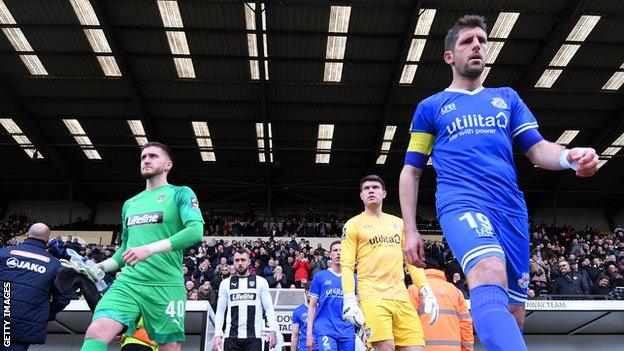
167	212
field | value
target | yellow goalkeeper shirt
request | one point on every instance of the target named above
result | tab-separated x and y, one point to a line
374	246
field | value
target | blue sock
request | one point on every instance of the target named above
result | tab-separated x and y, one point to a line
496	327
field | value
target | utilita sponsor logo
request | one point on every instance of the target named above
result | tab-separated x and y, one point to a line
384	239
476	124
145	218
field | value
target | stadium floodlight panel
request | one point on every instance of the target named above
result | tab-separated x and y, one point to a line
567	136
98	41
583	27
109	66
84	12
601	163
339	19
201	129
136	127
17	39
389	133
79	134
252	41
484	74
177	43
611	150
5	15
494	48
324	143
408	74
208	156
619	141
34	65
381	160
170	14
385	146
336	46
24	142
416	49
504	24
184	67
564	55
333	72
425	20
615	82
548	78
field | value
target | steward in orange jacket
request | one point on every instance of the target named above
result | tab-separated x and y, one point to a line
453	329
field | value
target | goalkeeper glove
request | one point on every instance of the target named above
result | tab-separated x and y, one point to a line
430	303
351	312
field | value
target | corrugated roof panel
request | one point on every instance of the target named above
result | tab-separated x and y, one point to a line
135	41
10	65
153	67
327	94
293	71
133	13
376	20
42	11
83	107
373	48
291	113
229	44
584	80
205	14
299	18
71	88
57	39
72	66
199	91
236	69
368	73
609	29
201	109
297	45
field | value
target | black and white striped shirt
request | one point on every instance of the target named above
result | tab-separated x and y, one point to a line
244	298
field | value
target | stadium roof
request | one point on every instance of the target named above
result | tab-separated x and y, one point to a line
301	98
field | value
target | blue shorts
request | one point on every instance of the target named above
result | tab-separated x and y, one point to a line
476	232
330	343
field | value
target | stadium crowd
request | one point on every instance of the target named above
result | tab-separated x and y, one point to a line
564	261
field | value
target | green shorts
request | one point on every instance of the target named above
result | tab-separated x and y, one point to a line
163	309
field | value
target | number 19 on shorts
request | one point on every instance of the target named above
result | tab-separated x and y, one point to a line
481	225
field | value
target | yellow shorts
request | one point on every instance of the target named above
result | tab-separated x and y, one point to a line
392	320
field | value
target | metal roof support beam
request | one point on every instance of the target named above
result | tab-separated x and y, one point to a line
124	66
263	108
393	85
34	131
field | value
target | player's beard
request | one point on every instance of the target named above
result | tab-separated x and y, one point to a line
471	72
242	271
150	174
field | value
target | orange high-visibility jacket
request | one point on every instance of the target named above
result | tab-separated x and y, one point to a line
453	329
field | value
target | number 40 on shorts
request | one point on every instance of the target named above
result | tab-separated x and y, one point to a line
171	309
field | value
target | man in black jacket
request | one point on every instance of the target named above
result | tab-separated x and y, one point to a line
30	296
570	283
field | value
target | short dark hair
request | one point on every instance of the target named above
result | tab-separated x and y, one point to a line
241	251
467	21
373	178
161	146
335	242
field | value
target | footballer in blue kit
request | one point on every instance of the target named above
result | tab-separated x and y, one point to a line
469	132
327	331
300	324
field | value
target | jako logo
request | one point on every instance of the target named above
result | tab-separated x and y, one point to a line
13	262
145	218
470	121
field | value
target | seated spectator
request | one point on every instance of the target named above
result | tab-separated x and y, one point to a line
207	293
602	286
569	283
278	279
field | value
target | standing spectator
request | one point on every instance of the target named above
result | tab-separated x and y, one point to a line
269	269
602	287
30	272
208	293
289	270
278	279
317	264
57	247
302	269
569	283
203	273
539	272
460	284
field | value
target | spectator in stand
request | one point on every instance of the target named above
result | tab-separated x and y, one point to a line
602	286
278	279
569	283
460	284
317	264
539	272
575	268
208	293
57	247
203	273
269	269
302	269
289	270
